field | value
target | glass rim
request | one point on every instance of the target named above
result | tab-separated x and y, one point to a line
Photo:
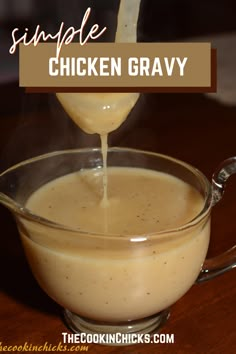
21	211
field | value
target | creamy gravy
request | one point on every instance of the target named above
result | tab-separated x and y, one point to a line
116	282
141	201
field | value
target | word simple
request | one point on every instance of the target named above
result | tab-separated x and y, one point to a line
114	66
60	37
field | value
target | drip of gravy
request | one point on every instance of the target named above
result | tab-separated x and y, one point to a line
99	113
102	113
104	148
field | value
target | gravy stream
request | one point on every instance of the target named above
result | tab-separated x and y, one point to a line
102	113
104	148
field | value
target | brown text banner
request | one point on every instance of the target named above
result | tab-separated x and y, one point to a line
118	67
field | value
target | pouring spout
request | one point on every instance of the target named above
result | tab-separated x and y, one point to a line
13	189
9	203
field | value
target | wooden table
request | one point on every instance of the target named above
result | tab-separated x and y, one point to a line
187	126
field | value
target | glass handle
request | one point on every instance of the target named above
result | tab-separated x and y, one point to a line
220	264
